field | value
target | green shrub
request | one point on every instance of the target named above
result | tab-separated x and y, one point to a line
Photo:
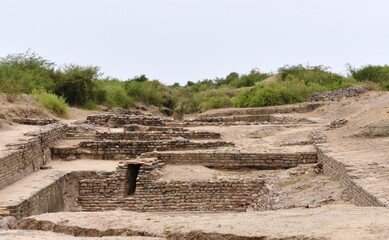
270	94
311	75
248	80
372	73
216	102
77	84
21	73
112	93
148	92
52	102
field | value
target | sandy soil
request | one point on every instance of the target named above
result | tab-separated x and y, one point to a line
254	138
14	134
331	222
33	234
24	106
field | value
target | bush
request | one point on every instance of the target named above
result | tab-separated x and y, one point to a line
113	94
77	84
52	102
270	94
311	75
248	80
21	73
216	102
376	74
148	92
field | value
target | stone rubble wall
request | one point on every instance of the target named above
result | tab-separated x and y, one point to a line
338	94
34	121
117	149
299	108
157	135
28	157
236	160
166	128
112	120
107	191
338	171
243	120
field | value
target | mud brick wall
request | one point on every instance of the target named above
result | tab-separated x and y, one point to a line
114	149
29	157
338	171
157	135
121	120
107	191
233	160
167	128
52	198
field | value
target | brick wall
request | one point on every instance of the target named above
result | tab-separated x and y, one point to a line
55	197
121	120
338	171
117	149
156	135
107	191
29	157
233	160
244	120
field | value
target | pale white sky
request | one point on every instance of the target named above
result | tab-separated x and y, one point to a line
181	40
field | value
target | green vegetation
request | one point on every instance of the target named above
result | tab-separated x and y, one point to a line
293	84
375	74
84	86
24	72
52	102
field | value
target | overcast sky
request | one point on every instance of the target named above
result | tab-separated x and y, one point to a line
181	40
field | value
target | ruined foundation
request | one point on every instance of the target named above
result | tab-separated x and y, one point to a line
136	154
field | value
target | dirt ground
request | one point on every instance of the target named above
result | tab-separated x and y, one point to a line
330	222
296	187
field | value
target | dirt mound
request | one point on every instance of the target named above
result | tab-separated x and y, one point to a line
23	106
379	129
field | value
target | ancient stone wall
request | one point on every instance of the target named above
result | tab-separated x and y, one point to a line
28	157
299	108
108	191
117	149
52	198
244	120
34	121
157	135
338	171
236	160
121	120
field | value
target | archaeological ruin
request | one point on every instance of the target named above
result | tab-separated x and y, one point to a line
237	161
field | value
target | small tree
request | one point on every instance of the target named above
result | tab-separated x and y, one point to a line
77	84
